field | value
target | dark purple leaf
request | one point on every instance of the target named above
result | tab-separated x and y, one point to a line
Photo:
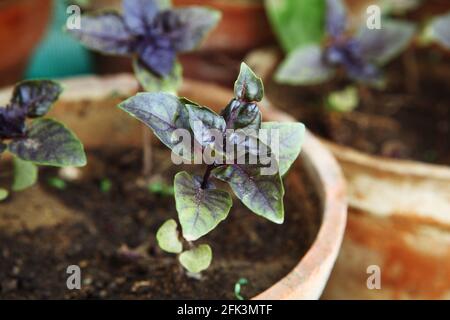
105	32
199	210
49	143
139	14
12	122
154	83
262	194
336	18
206	124
162	112
239	114
348	55
380	46
248	86
187	27
36	96
158	55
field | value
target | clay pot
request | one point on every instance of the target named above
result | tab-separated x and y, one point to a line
22	24
90	102
399	220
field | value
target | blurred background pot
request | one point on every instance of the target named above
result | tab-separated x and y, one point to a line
399	219
22	25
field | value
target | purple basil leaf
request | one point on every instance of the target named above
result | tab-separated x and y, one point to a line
36	96
439	30
12	122
248	86
105	32
348	54
336	18
205	124
157	55
153	83
199	210
162	112
262	194
304	66
240	115
50	143
139	14
380	46
189	26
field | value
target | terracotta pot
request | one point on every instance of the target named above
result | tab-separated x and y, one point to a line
399	220
90	102
22	24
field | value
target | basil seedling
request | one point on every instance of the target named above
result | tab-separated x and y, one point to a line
201	205
41	141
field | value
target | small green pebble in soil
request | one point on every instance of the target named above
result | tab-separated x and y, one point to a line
160	188
57	183
3	194
105	185
238	286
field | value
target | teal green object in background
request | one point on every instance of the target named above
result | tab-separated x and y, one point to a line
59	55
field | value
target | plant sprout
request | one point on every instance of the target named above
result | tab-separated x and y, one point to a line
360	55
201	205
151	33
39	142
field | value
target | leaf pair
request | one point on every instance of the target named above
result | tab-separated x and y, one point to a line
359	55
44	141
194	260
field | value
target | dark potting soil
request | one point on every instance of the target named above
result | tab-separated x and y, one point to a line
112	238
409	120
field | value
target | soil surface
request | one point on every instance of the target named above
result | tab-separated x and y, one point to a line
111	236
410	119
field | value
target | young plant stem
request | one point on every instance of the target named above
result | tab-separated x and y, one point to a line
412	72
147	158
206	176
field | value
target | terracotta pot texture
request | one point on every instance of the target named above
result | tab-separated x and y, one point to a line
88	106
399	220
22	25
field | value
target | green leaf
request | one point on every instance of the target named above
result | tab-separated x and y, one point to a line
25	174
203	121
304	66
439	30
36	96
196	260
162	112
297	23
3	194
291	137
382	45
167	237
199	210
248	86
50	143
343	101
262	194
57	183
153	83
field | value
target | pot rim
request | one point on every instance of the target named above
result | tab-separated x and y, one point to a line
308	278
